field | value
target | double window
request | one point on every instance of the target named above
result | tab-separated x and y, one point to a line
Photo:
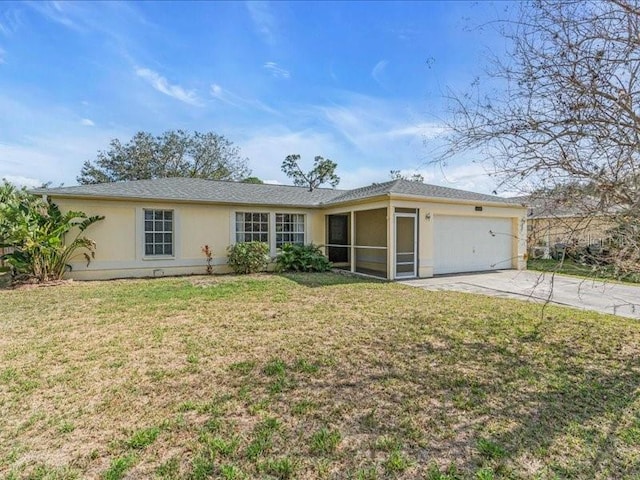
158	232
256	227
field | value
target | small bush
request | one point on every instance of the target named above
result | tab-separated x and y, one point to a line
208	254
248	257
302	258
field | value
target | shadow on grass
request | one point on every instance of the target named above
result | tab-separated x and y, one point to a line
327	279
501	407
576	406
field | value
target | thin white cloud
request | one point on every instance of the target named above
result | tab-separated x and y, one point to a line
56	156
225	96
162	85
378	70
373	125
406	34
276	71
48	141
473	177
87	122
426	130
230	98
263	20
56	12
10	21
20	181
268	147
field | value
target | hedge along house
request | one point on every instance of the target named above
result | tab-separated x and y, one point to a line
394	230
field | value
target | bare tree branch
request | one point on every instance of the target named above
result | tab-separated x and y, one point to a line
565	121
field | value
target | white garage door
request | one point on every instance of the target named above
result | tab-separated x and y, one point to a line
471	244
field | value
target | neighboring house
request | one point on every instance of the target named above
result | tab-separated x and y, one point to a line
555	221
397	229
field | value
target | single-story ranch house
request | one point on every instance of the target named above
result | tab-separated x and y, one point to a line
397	229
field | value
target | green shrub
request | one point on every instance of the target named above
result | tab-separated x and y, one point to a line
302	258
36	232
248	257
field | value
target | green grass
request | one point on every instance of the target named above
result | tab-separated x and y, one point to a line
119	467
143	438
569	267
325	441
281	468
311	376
490	449
396	462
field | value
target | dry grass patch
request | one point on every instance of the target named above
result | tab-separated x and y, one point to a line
310	376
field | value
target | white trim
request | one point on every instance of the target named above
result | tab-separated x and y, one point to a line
352	238
144	264
271	234
304	226
414	274
232	227
140	239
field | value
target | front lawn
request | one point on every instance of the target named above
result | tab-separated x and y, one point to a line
310	376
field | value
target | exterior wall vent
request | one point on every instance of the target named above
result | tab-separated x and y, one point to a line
478	209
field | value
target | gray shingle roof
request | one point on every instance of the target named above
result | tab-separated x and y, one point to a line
211	191
406	187
200	190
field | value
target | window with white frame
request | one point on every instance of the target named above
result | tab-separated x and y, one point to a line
158	232
252	227
289	228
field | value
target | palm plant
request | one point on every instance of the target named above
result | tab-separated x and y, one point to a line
36	230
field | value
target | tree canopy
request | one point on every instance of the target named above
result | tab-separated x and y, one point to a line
174	153
562	107
414	177
323	171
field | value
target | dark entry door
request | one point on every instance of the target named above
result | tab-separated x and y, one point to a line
338	235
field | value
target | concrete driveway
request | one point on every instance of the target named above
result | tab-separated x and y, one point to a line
618	299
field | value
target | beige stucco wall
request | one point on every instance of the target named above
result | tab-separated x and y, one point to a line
428	209
120	236
120	239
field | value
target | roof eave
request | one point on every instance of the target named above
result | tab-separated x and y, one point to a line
171	200
355	201
405	196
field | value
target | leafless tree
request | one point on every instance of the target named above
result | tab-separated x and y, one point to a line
560	113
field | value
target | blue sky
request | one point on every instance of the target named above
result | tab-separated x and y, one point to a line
361	83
